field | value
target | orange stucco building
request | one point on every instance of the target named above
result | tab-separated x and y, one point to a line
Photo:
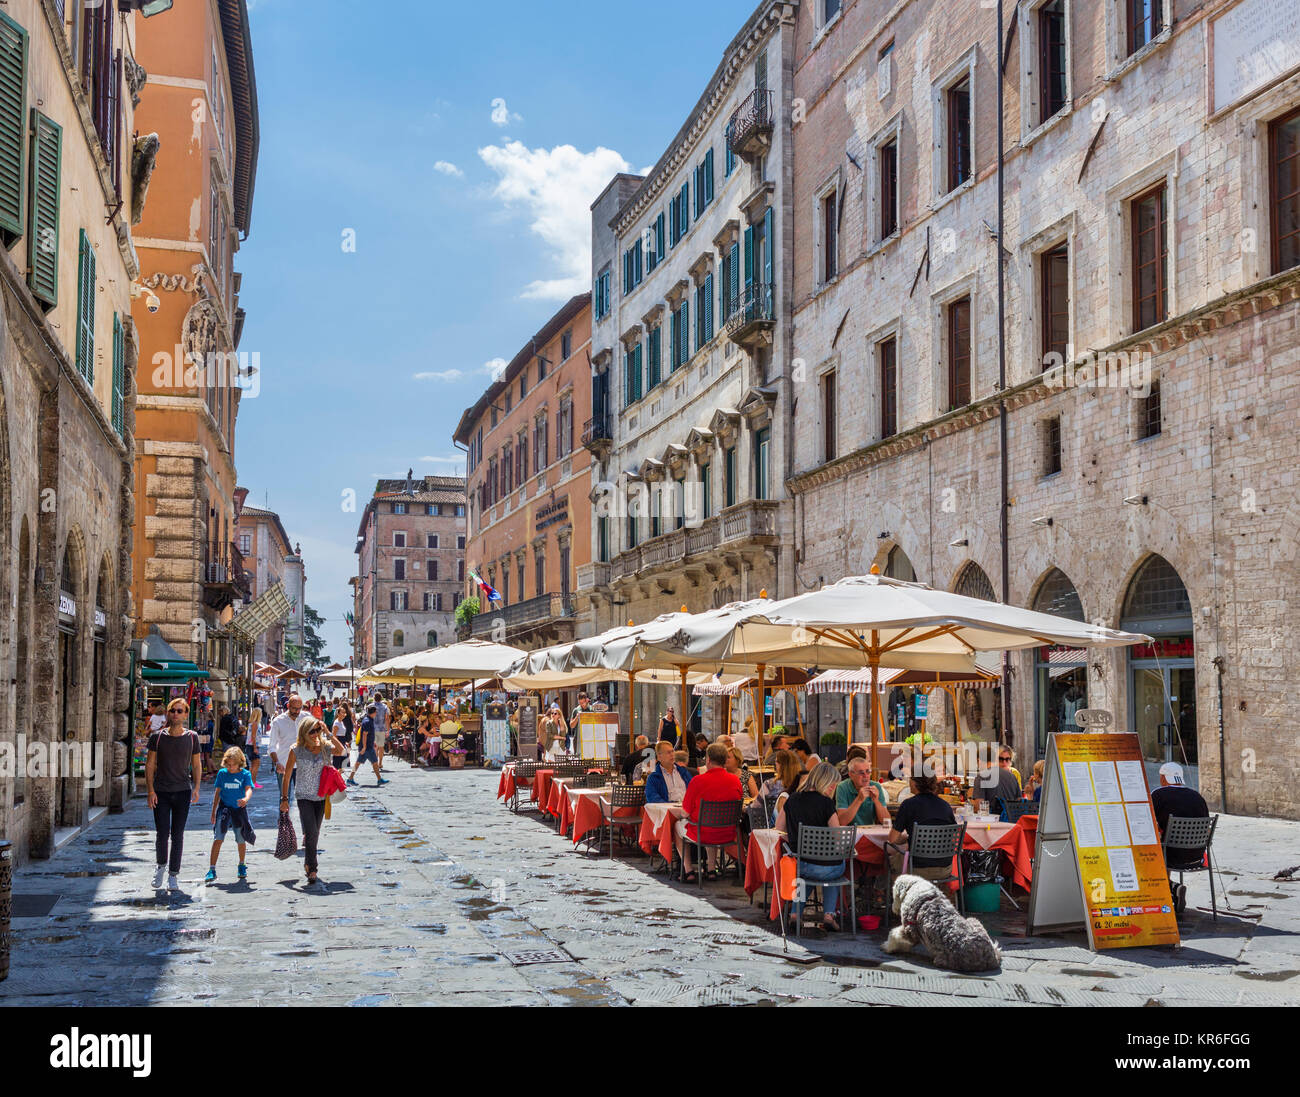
530	483
188	571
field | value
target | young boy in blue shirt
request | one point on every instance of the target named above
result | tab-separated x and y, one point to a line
233	789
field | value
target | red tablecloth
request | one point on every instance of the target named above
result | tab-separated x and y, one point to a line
1017	847
659	836
542	786
506	785
589	814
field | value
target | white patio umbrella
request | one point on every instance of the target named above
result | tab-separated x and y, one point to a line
875	620
468	661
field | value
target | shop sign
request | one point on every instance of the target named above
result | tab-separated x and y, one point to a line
1175	647
101	620
922	706
67	604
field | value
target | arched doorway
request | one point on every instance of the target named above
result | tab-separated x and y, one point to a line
68	813
23	653
1162	675
898	566
1060	673
101	691
981	709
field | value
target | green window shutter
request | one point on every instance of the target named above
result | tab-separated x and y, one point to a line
735	276
86	309
749	256
13	128
660	250
708	307
708	177
637	373
686	332
769	241
43	228
627	378
119	376
685	211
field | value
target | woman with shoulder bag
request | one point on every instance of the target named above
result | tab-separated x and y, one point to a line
314	750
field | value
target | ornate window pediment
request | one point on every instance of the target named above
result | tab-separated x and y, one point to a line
725	425
700	441
757	406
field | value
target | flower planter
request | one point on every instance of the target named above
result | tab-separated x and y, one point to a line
456	761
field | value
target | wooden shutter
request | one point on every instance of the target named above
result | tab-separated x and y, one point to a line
686	332
86	309
43	226
708	307
119	376
13	127
749	256
684	211
708	177
735	277
768	246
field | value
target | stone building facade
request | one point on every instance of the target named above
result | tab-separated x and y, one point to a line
410	567
529	522
691	357
68	352
1152	265
189	574
268	559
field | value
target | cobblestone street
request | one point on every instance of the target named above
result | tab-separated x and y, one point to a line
433	893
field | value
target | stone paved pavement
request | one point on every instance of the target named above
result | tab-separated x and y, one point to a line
430	887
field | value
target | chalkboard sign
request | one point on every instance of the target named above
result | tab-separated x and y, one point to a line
527	731
494	711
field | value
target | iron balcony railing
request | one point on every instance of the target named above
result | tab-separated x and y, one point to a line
756	305
751	123
596	431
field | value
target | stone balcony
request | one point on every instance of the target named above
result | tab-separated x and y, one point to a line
544	620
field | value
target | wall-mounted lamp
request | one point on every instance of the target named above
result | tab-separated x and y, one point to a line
884	536
1044	522
963	543
1137	500
145	7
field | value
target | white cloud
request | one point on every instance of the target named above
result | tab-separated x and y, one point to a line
439	375
459	459
503	115
495	368
556	186
447	168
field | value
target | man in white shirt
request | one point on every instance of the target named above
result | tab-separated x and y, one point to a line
284	736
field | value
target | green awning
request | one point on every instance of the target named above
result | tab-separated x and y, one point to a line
171	674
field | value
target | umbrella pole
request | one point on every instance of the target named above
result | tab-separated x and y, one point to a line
631	708
874	659
686	710
849	737
760	713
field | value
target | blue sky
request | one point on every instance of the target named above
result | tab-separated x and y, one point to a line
462	144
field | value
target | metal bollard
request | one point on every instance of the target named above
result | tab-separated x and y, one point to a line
6	904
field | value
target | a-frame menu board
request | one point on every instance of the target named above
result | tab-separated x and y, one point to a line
1098	862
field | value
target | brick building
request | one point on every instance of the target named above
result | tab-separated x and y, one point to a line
530	483
410	567
68	352
1152	290
691	354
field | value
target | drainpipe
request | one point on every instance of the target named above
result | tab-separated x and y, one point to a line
1007	731
1223	749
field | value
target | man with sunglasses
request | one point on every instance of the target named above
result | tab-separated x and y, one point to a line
1001	786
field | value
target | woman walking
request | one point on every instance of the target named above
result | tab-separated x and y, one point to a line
173	772
342	731
255	721
309	757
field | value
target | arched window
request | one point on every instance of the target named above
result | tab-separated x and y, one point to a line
974	583
431	639
399	639
1058	596
898	566
1157	601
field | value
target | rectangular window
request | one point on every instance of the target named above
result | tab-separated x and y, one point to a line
656	510
399	539
1052	445
704	184
888	189
1146	19
431	541
655	364
429	604
245	543
1051	59
566	345
13	129
1149	413
830	257
706	493
1284	204
431	572
86	309
399	508
119	376
828	415
460	543
730	158
1150	259
729	472
704	312
959	133
397	601
1055	277
762	453
830	9
631	532
959	353
602	531
888	356
43	209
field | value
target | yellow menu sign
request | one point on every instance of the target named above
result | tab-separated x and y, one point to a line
1098	860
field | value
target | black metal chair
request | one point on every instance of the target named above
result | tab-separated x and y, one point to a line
715	815
525	775
594	780
621	798
827	844
1182	834
932	843
1017	809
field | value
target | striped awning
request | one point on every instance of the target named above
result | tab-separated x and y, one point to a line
859	679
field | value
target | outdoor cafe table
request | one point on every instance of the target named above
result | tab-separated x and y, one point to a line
1015	841
587	807
542	787
506	785
657	828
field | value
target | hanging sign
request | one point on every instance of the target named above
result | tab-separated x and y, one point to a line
1098	861
922	706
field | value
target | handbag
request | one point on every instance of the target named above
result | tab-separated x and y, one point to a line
286	841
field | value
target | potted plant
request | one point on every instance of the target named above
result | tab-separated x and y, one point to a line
456	756
833	747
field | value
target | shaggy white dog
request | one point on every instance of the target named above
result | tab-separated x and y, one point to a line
926	917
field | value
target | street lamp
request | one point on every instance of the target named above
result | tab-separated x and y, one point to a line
145	7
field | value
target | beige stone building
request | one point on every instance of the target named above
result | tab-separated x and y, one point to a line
1152	359
68	349
269	560
691	412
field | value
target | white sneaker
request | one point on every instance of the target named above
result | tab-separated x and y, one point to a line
158	877
173	884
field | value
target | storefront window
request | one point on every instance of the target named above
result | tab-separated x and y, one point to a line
1061	674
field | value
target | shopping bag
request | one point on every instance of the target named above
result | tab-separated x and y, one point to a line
286	842
788	877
